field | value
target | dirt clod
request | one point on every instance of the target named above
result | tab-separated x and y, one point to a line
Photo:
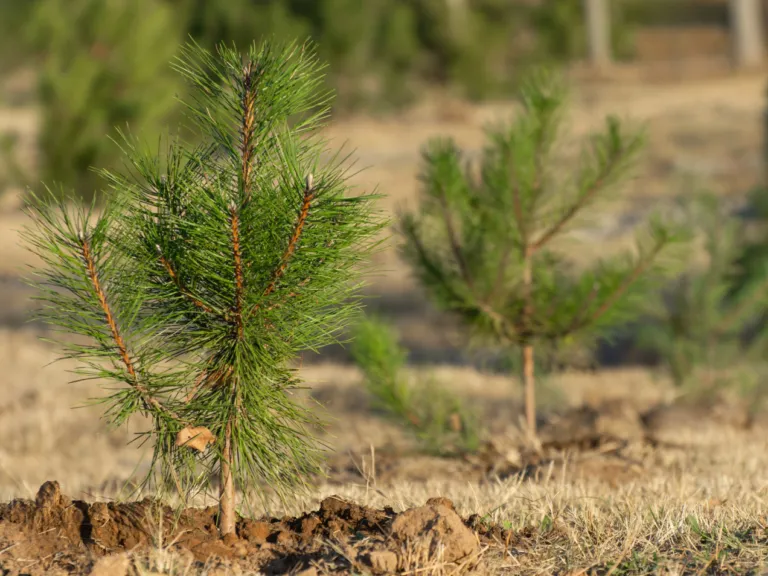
381	561
435	526
114	565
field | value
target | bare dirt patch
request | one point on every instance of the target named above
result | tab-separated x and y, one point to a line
73	535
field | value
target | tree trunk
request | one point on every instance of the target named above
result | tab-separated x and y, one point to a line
530	390
528	365
747	33
598	25
457	15
227	487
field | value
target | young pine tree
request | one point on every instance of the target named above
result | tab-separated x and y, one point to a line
438	418
210	268
709	326
481	243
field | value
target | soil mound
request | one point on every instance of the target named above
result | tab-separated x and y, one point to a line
75	536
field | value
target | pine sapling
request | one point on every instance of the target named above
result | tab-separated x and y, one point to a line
209	269
482	240
438	418
711	319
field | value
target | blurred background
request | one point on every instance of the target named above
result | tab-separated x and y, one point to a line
71	71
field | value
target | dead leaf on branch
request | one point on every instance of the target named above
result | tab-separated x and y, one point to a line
196	437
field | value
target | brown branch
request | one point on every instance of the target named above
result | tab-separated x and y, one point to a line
309	195
177	281
481	306
579	316
520	221
454	241
208	378
117	337
238	262
727	323
248	127
630	279
574	209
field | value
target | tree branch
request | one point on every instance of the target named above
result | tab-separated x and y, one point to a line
177	281
520	221
740	307
454	241
482	307
574	209
309	195
247	128
146	397
238	265
630	279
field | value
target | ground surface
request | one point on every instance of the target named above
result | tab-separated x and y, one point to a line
621	487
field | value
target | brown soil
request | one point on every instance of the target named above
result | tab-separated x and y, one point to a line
54	534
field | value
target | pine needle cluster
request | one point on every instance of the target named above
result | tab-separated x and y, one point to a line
210	268
482	240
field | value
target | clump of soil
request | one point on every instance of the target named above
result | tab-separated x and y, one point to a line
73	535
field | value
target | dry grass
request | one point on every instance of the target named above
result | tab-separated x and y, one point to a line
702	508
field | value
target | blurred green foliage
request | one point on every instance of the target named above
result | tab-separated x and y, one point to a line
709	327
104	63
440	421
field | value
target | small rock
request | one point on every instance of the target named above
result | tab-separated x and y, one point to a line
311	571
433	526
112	565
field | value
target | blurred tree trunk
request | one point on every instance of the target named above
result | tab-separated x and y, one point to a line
598	26
747	32
457	12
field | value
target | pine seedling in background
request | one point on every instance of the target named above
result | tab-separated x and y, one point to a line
211	267
482	244
438	419
710	322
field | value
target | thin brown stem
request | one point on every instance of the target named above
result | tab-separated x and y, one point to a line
727	323
117	337
309	195
517	210
569	214
177	281
237	257
530	388
528	352
453	240
227	517
247	129
630	279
